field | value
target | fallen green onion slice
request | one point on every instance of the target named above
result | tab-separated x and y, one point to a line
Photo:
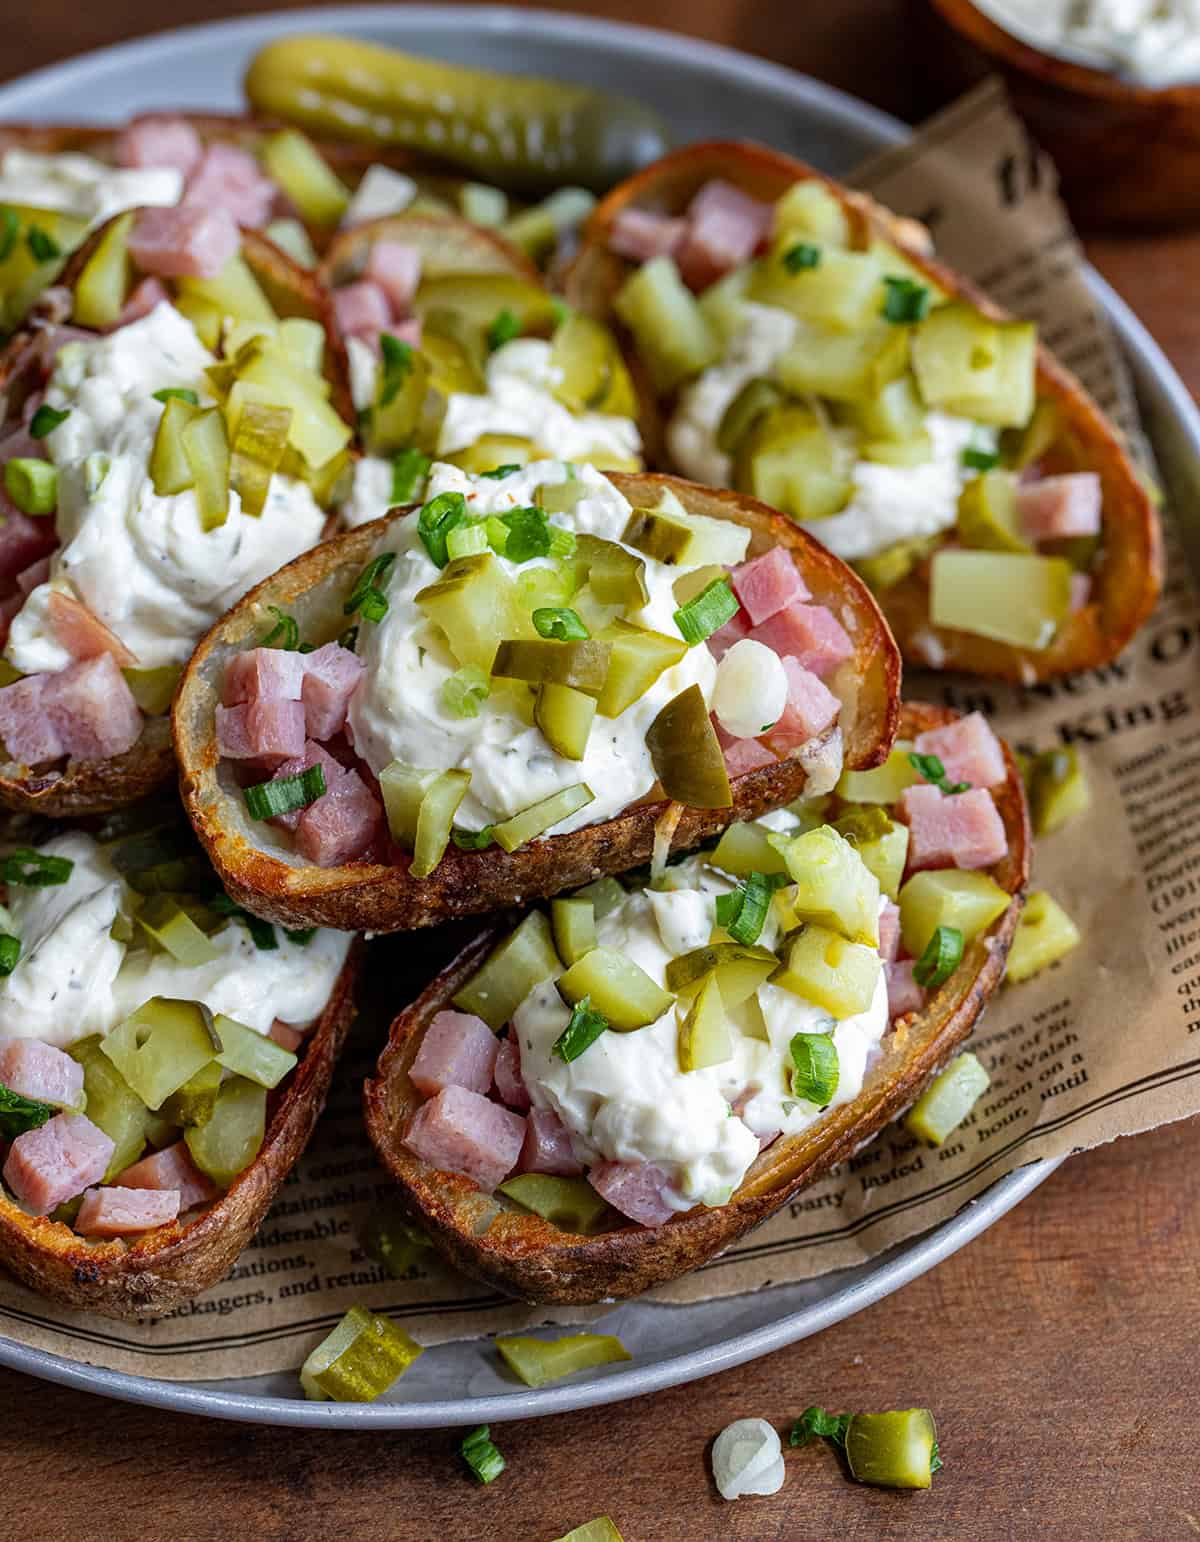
10	952
41	244
581	1032
367	597
559	622
262	933
527	534
32	484
465	689
814	1423
19	1114
814	1067
435	522
905	300
942	956
482	1456
503	329
36	869
707	612
46	419
801	256
743	912
947	1100
539	1361
473	840
933	771
397	363
176	393
359	1360
285	794
285	633
409	469
498	473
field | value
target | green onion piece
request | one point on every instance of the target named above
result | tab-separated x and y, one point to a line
262	933
10	952
367	597
599	1530
177	393
540	1361
942	956
947	1100
45	420
481	1456
581	1032
9	226
35	869
466	540
32	484
707	612
302	935
435	522
409	469
42	245
498	473
814	1423
527	534
562	542
505	327
980	460
814	1068
360	1359
559	622
801	256
931	768
463	691
285	633
893	1450
905	300
397	365
266	800
19	1114
744	912
473	840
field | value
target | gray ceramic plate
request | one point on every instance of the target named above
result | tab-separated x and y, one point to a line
704	91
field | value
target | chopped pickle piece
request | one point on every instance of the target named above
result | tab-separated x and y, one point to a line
153	689
252	1055
475	605
884	851
435	820
456	354
271	378
721	303
896	412
843	291
483	205
574	924
822	967
947	1100
565	718
599	1530
886	783
258	445
540	817
976	368
615	576
670	329
606	895
685	540
704	1037
581	664
987	513
400	416
537	229
478	298
195	1101
1058	789
101	287
571	1204
1021	447
1009	597
808	208
1045	933
686	754
388	1238
170	928
359	1360
160	1046
234	292
112	1104
561	498
895	562
170	470
744	849
917	451
737	968
295	163
892	1450
967	901
638	659
540	1361
206	449
582	358
304	342
616	987
403	787
791	461
226	1144
491	451
525	958
832	885
854	367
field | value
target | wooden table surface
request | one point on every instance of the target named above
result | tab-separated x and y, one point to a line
1059	1351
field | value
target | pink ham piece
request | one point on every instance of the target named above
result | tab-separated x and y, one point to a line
742	755
41	1072
28	735
724	229
159	141
52	1164
270	730
964	831
23	541
123	1212
459	1131
230	181
904	994
889	932
286	1036
633	1188
92	709
330	676
171	1170
37	573
547	1147
810	634
640	235
458	1050
720	642
510	1084
396	268
811	708
1081	591
768	584
81	631
264	674
142	300
968	749
187	242
340	826
1058	507
313	755
362	309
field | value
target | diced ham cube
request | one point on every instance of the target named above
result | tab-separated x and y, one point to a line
809	633
40	1071
640	235
230	180
459	1131
633	1188
742	755
28	735
36	573
159	141
1057	507
968	749
185	242
171	1169
396	268
263	674
81	631
330	676
768	584
269	730
362	309
458	1050
510	1084
286	1036
23	541
720	642
811	708
92	709
53	1163
889	932
547	1147
964	831
1081	591
904	994
341	825
314	755
143	298
724	229
115	1212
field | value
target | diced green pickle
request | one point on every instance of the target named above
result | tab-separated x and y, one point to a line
758	396
791	461
894	563
359	1360
1009	597
1045	933
226	1145
475	605
822	967
170	928
606	895
540	1361
582	665
704	1037
976	368
808	210
195	1101
1022	446
170	469
683	539
892	1450
403	787
101	287
884	852
668	325
744	849
947	1100
638	659
565	718
686	753
1058	789
987	513
832	885
251	1054
571	1204
616	987
525	958
295	163
895	413
574	923
159	1047
435	820
886	783
112	1104
967	901
615	576
850	367
737	968
843	291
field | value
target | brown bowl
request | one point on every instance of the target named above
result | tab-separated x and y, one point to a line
1127	155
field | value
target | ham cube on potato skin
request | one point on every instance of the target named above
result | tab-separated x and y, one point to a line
547	1147
330	676
964	831
40	1071
92	709
158	141
229	180
633	1188
810	634
968	750
459	1131
263	674
116	1212
509	1083
904	994
458	1050
171	1170
768	584
49	1165
184	242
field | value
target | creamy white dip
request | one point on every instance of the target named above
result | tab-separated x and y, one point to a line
80	185
1153	42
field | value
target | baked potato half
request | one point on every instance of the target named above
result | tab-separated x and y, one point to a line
493	1240
1124	565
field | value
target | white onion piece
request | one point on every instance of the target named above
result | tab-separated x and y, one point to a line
751	689
747	1458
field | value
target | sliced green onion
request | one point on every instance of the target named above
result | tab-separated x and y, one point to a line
285	794
540	1361
465	689
262	933
707	612
367	596
481	1455
527	534
435	522
19	1114
801	256
942	956
9	226
473	840
285	633
41	244
10	952
498	473
814	1068
814	1423
32	484
409	469
466	540
46	419
744	912
397	365
581	1032
505	327
559	622
934	772
36	869
360	1359
980	460
562	542
178	394
905	300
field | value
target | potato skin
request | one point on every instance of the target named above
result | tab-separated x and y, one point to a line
535	1261
1127	582
155	1273
375	897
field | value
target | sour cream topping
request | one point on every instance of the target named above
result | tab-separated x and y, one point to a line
625	1098
74	978
142	562
1154	42
80	185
